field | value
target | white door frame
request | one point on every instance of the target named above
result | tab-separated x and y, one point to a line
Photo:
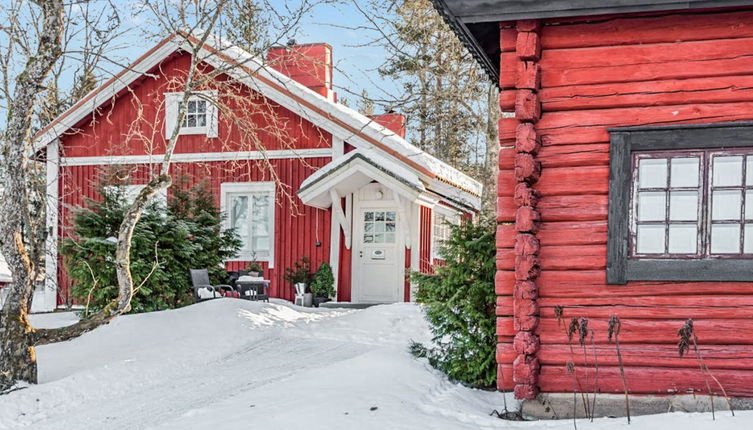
358	206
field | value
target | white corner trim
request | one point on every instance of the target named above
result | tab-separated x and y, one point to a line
200	157
51	243
252	187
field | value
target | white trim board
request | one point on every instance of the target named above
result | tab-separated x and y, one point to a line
199	157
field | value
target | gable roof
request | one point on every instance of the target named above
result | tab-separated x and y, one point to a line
476	22
343	122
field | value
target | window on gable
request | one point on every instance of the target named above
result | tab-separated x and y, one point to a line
681	204
199	116
249	209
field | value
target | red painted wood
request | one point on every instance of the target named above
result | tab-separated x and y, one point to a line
406	285
424	249
596	74
297	227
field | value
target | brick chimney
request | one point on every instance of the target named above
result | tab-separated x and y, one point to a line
309	64
392	121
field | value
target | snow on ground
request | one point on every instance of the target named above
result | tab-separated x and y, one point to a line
233	364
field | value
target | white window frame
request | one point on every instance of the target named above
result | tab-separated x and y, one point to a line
446	215
172	101
251	188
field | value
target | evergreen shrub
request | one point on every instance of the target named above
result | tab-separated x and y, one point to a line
459	302
167	243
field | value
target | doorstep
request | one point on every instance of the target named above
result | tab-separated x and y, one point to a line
347	305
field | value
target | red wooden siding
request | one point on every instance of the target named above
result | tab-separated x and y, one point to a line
424	240
669	69
297	227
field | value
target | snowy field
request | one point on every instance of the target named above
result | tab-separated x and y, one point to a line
232	364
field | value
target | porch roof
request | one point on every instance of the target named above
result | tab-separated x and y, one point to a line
354	170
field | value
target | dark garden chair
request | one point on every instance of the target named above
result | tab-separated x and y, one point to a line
203	289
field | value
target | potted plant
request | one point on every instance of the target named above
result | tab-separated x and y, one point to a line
255	269
300	277
323	285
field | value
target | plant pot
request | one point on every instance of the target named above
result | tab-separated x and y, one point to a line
254	274
308	300
319	300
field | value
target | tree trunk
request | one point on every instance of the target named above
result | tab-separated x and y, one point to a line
491	159
17	357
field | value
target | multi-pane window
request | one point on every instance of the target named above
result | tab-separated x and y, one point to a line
440	233
199	113
249	210
195	114
379	226
692	204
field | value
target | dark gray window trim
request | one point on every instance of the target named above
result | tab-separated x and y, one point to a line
623	142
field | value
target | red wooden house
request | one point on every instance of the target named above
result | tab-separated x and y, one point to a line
625	189
336	186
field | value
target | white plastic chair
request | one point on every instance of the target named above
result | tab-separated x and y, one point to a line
300	290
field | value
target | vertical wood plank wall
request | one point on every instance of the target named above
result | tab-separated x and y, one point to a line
620	71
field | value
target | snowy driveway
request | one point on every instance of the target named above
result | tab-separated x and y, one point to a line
232	364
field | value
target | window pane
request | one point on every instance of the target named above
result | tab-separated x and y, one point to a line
389	238
652	173
368	216
202	106
749	170
190	121
368	227
748	247
728	171
683	239
261	243
651	206
390	226
725	238
379	228
239	219
683	205
379	216
684	172
260	215
726	205
390	216
650	239
201	120
379	238
749	203
191	107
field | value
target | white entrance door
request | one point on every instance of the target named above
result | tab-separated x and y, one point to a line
379	256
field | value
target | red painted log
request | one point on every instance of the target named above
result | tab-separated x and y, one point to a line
525	370
528	75
573	208
592	283
525	290
524	195
664	331
528	46
573	233
504	281
527	169
595	154
526	139
576	257
636	30
715	356
724	89
507	100
506	183
526	219
528	25
527	106
508	128
525	307
525	323
568	181
525	391
506	209
527	267
505	237
526	244
525	343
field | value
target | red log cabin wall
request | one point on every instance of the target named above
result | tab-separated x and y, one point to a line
568	81
297	227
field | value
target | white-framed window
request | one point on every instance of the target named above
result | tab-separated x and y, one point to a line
441	231
249	208
200	113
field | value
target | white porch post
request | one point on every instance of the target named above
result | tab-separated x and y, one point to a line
51	245
334	243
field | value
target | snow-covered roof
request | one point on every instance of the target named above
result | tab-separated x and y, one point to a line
342	121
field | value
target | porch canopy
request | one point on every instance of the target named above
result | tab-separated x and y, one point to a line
354	170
